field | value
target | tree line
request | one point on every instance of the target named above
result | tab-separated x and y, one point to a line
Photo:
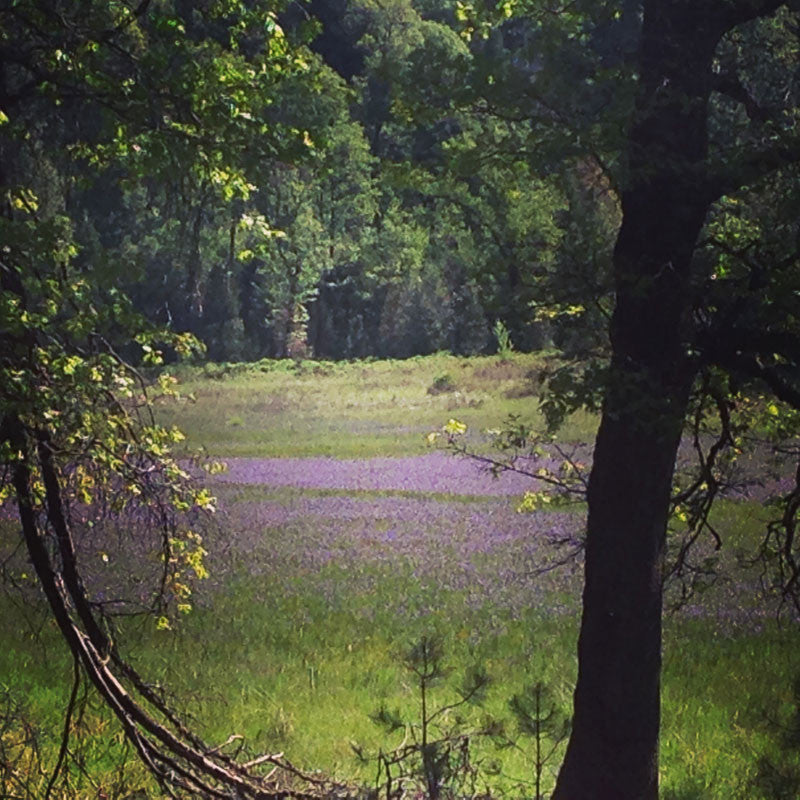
406	206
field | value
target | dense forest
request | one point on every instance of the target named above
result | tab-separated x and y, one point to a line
423	176
426	170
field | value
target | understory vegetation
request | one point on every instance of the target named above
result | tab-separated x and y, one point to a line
300	636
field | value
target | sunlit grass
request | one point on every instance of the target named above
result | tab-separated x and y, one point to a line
359	409
725	695
297	674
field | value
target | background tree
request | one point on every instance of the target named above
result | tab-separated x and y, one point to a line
402	116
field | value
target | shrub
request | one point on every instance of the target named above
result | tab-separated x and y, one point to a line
442	384
435	757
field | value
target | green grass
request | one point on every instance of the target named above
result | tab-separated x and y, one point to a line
724	695
297	675
353	410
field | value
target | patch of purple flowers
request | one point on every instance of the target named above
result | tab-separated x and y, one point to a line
479	550
434	472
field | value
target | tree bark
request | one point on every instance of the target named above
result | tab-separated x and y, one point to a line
613	748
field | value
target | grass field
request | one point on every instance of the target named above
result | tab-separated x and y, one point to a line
354	409
316	593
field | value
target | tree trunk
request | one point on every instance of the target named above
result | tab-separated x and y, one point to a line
613	749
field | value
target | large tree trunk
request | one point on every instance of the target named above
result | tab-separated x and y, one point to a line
613	749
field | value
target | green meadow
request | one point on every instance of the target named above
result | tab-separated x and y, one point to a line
354	409
301	633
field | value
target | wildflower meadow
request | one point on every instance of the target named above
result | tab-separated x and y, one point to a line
338	546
